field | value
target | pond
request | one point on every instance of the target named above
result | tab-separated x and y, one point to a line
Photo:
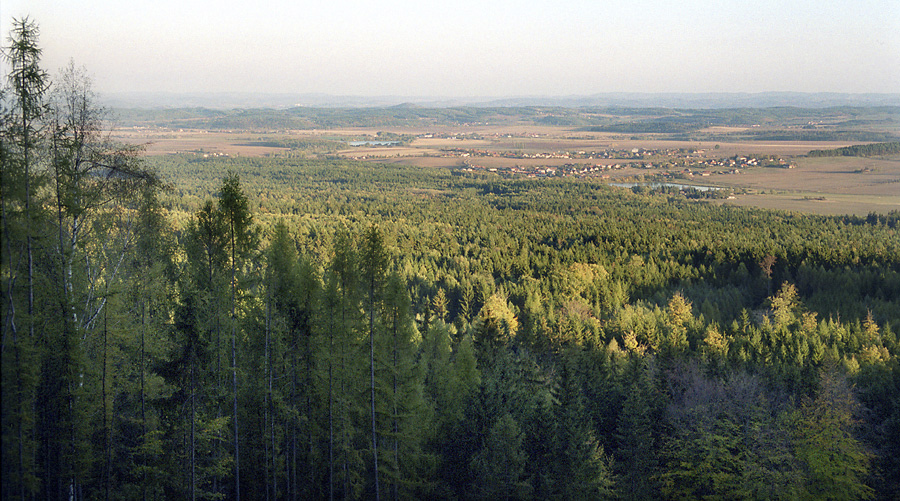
667	185
373	143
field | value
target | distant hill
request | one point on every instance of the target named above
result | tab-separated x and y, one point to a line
235	100
776	123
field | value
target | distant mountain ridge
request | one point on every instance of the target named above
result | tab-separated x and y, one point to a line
718	100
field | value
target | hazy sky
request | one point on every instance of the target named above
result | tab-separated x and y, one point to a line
471	48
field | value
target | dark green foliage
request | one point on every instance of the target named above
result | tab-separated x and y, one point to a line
637	433
727	438
834	462
578	466
859	150
499	467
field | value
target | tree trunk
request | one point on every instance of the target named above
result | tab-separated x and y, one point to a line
107	460
331	413
394	425
372	383
267	397
193	437
26	143
234	379
237	451
143	403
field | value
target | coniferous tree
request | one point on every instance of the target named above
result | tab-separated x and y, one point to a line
496	326
637	450
499	467
21	134
835	463
150	294
703	448
99	189
280	287
235	209
403	402
195	366
344	328
115	362
373	260
292	301
29	84
435	358
580	467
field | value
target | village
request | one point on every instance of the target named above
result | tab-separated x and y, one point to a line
678	163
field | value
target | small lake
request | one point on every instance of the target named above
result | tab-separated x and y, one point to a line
373	143
667	185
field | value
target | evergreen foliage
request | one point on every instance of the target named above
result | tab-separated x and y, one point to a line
859	150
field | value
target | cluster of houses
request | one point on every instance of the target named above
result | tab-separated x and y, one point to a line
201	153
747	162
566	170
671	163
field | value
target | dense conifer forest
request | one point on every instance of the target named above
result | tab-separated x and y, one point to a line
180	327
859	150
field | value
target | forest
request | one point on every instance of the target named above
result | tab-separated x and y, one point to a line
859	150
180	327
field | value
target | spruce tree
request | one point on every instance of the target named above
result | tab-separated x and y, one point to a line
579	466
636	450
373	266
242	242
403	403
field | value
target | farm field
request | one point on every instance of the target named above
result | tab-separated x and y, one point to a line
822	185
828	186
827	205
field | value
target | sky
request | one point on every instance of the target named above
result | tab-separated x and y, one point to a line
469	48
